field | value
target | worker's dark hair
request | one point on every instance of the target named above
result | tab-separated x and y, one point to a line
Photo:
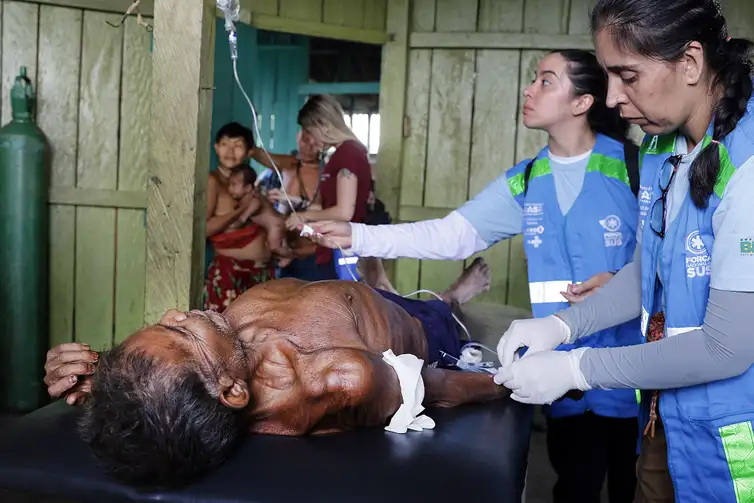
152	426
249	175
662	30
236	130
588	77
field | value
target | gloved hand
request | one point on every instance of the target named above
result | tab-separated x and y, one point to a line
538	334
544	377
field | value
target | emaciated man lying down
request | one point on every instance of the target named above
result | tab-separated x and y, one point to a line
286	358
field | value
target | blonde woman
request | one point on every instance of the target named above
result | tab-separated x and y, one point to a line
346	179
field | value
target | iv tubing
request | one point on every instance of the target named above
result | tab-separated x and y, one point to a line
234	57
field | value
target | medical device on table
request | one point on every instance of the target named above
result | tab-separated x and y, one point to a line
471	359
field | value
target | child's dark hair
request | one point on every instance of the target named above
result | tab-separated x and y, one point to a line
662	30
248	173
588	77
236	130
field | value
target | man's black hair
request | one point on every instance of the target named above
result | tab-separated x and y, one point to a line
236	130
153	426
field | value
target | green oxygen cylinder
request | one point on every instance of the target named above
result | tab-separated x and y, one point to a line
24	238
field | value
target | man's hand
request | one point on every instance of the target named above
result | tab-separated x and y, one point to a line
537	334
68	372
544	377
577	293
173	317
332	233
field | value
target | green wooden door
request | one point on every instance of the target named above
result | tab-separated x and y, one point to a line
271	67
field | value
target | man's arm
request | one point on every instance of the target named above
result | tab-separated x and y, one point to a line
282	161
361	389
449	388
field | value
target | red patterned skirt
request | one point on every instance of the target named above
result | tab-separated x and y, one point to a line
227	278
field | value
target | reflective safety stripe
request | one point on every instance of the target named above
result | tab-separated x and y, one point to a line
638	396
541	292
738	444
679	330
644	321
347	260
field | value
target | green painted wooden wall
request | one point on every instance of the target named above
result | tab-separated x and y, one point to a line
93	96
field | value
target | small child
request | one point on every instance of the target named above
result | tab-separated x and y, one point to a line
261	212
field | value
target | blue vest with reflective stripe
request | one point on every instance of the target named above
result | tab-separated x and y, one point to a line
597	234
708	427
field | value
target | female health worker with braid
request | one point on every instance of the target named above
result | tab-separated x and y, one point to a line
674	71
579	216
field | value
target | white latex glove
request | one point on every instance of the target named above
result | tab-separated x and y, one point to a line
544	377
538	334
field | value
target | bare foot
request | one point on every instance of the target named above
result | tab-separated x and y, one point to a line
474	280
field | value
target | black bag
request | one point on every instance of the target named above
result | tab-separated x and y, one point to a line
377	214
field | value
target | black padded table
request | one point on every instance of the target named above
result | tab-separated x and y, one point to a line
475	453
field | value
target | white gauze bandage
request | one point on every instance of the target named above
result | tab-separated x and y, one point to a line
409	368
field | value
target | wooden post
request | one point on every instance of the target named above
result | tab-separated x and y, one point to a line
182	79
392	109
392	104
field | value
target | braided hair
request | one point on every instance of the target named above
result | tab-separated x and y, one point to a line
662	29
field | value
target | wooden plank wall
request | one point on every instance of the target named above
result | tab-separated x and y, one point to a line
360	20
464	128
93	90
368	14
462	114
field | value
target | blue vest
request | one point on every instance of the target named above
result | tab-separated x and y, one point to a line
709	426
597	234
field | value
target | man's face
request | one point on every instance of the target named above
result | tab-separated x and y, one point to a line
202	338
236	187
231	151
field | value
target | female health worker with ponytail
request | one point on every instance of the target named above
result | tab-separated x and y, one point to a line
673	70
574	204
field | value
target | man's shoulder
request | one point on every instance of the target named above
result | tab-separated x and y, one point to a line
215	180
